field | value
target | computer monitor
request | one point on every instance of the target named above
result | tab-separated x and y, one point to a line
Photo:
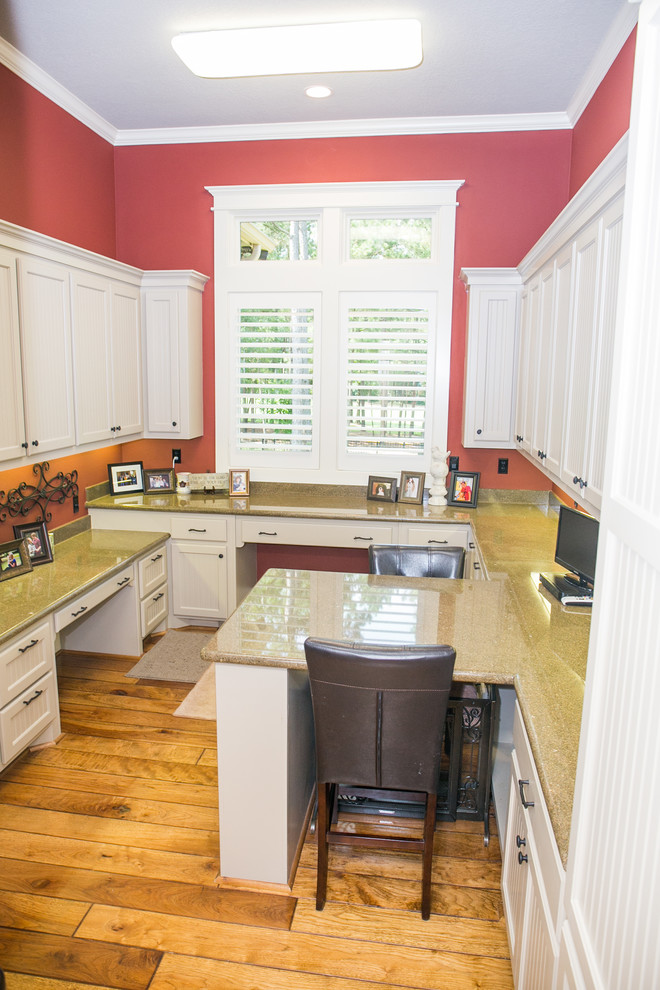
577	542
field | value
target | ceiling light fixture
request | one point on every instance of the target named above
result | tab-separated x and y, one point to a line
318	92
355	46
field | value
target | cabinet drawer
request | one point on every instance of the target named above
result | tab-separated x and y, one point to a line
81	606
538	817
26	717
25	660
442	534
186	527
314	532
153	609
152	571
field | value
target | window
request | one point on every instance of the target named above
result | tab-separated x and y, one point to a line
333	362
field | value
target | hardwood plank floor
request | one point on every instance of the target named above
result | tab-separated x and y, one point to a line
110	853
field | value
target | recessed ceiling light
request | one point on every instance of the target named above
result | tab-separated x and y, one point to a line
318	92
355	46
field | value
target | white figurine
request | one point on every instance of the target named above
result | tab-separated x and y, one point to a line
439	472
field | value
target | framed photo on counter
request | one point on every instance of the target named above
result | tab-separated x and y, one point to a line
126	478
381	489
411	487
158	482
463	488
239	482
36	540
14	559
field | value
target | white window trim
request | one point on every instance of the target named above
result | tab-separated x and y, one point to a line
232	203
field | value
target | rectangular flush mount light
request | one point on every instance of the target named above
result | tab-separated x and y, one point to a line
355	46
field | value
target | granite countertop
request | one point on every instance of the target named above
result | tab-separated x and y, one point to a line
505	631
79	564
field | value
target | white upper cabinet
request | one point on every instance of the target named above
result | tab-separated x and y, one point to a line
45	322
12	421
492	343
172	304
107	358
568	313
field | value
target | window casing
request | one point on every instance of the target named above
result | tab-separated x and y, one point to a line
332	367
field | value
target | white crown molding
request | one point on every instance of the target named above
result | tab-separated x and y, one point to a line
345	128
50	88
614	41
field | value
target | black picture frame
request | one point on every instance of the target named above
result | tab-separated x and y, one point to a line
463	489
37	541
126	478
411	487
381	489
14	559
158	481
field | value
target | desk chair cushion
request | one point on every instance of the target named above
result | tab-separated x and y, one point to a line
411	561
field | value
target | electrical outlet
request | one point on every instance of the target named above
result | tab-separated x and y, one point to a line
453	463
503	465
176	454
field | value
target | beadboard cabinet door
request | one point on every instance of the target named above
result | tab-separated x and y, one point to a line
44	305
126	344
12	420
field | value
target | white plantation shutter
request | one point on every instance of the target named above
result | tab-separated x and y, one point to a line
274	379
387	378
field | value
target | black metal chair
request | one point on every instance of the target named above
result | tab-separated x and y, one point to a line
411	561
379	715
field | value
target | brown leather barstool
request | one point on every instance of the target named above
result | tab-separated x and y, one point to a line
379	714
411	561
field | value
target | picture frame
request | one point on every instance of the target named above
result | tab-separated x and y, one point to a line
126	478
158	481
37	541
381	489
14	559
239	482
411	487
463	489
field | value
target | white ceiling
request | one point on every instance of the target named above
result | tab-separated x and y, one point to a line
518	63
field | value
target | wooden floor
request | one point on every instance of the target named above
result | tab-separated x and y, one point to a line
108	857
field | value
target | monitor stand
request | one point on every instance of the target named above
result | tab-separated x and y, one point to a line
564	584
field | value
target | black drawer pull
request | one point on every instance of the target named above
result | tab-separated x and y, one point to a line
123	581
521	787
80	611
158	556
24	649
263	532
190	530
33	698
437	541
476	565
158	597
369	539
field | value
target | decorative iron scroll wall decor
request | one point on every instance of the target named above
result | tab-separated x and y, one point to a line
22	500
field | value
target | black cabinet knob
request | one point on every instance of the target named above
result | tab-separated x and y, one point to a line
35	443
479	432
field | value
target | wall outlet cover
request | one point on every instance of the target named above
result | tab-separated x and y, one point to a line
453	463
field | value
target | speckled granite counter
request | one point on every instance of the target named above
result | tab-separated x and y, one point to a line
79	564
506	631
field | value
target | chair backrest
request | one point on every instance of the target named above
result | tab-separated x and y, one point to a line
379	712
445	562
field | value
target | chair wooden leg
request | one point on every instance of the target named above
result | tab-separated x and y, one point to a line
427	853
322	826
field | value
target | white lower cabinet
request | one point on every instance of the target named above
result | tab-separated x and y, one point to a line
199	567
532	874
29	709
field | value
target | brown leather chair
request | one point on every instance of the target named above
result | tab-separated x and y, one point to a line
379	715
411	561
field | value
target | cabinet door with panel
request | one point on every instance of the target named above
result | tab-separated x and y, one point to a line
126	345
92	356
12	420
45	313
527	365
199	555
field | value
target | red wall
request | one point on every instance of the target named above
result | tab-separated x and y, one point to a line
515	185
605	119
56	176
